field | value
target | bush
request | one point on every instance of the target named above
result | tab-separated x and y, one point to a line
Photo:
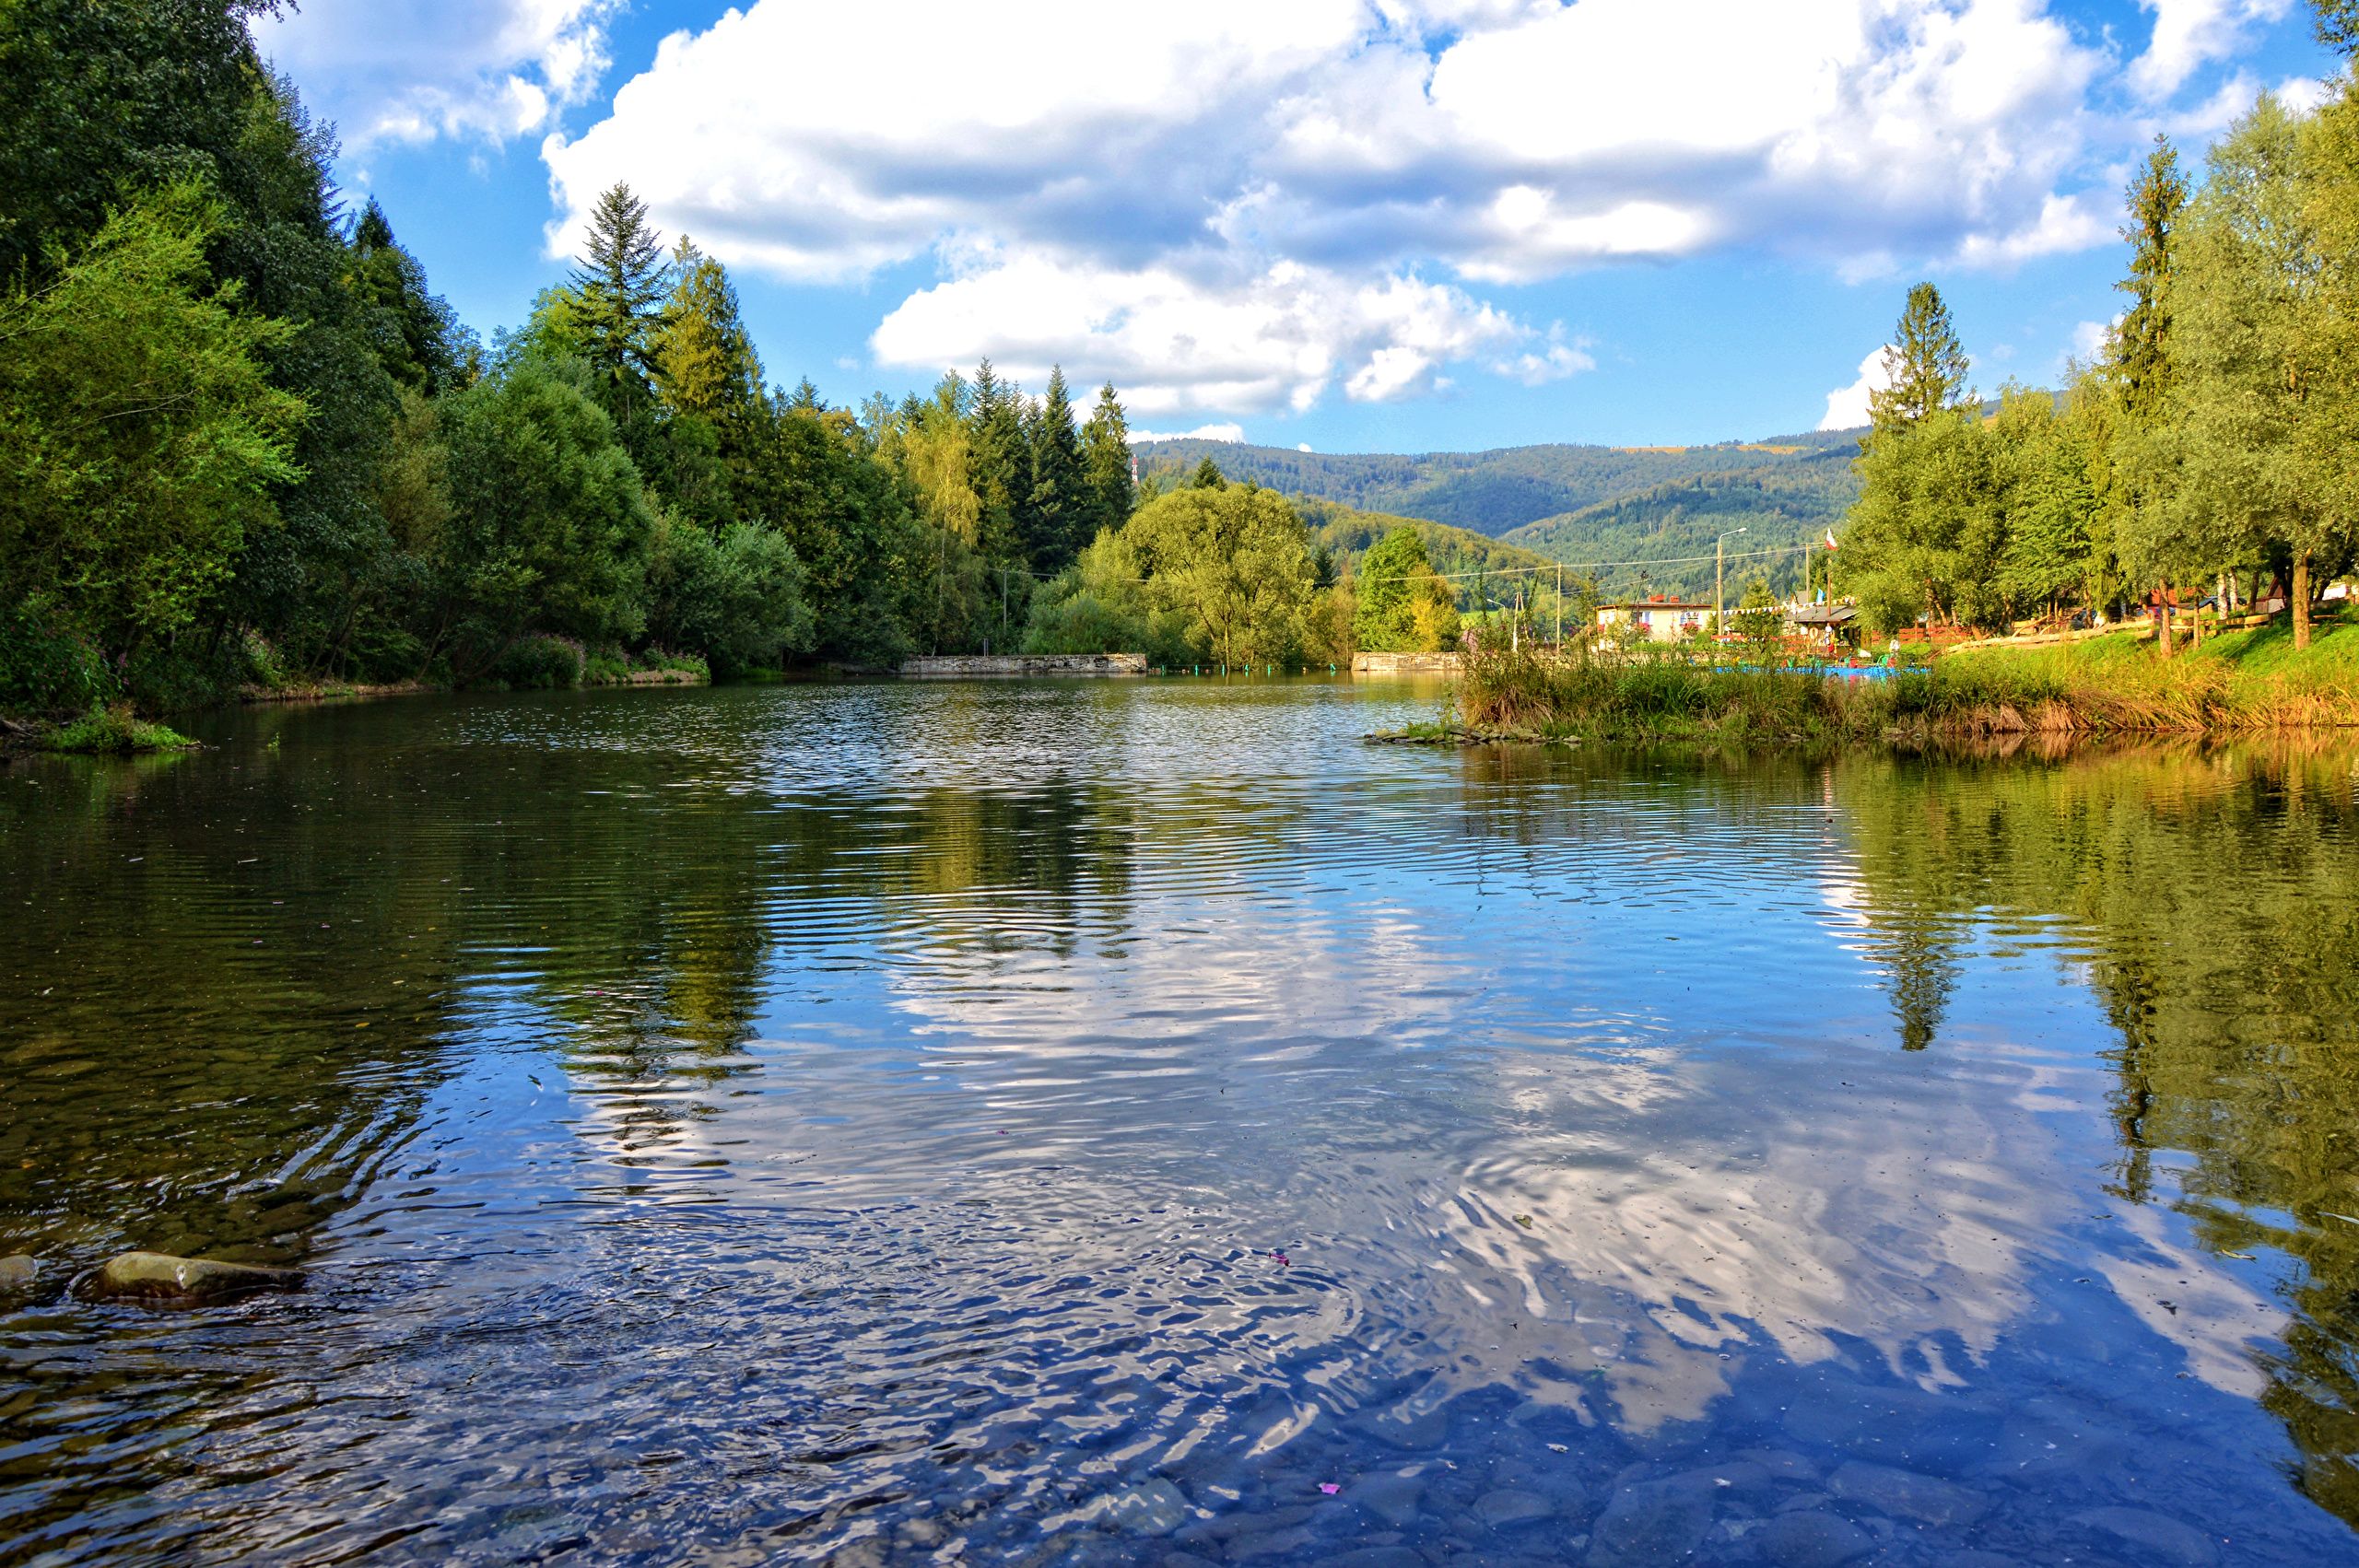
113	729
539	664
45	667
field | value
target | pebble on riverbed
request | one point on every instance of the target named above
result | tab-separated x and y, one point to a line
18	1273
159	1277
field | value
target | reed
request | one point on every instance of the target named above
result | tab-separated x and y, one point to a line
2242	682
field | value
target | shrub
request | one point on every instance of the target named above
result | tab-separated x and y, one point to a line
539	662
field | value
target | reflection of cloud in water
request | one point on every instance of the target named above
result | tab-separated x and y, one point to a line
1686	1198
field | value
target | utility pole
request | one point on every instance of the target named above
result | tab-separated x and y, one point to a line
1719	589
1560	607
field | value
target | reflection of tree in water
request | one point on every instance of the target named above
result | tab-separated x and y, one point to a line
2214	895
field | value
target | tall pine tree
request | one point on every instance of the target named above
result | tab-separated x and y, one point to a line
1000	466
1060	516
1106	462
2141	343
620	282
1924	369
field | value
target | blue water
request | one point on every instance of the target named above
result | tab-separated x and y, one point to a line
1138	1122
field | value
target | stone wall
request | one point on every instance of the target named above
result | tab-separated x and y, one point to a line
1404	663
968	666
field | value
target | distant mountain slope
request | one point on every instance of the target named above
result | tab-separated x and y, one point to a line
1488	492
1351	534
1779	507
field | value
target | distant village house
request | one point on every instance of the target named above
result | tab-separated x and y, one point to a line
1656	619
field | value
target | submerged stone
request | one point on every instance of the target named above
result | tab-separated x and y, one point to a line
1653	1522
1814	1539
158	1276
1908	1496
17	1272
1151	1508
2158	1539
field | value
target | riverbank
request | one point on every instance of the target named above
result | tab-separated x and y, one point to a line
2236	682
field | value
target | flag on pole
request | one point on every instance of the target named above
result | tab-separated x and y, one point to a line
1830	539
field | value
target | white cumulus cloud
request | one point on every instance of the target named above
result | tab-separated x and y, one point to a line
416	70
1847	408
2191	33
1240	205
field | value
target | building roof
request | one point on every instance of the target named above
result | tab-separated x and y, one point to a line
1654	605
1825	614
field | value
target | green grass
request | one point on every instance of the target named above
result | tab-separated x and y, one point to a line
2238	682
112	730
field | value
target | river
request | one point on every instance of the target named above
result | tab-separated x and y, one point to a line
1138	1122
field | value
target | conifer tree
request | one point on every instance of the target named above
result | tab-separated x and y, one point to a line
703	358
620	281
2141	343
416	335
1105	461
1925	368
1060	516
1208	477
999	465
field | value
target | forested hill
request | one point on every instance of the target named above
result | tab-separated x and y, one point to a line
1780	507
1351	534
1492	492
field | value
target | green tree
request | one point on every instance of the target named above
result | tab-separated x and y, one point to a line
701	356
1403	605
1106	462
2254	414
2141	343
1925	537
2049	502
1925	368
1060	517
1000	466
548	525
621	285
140	439
735	597
1208	477
416	333
1234	563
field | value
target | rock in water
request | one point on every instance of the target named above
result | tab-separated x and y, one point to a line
157	1276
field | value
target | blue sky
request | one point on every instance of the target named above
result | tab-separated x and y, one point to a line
1355	224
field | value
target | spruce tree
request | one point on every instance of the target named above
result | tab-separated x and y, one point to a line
416	335
1060	516
1105	461
703	356
999	465
2141	343
1208	477
1925	368
621	283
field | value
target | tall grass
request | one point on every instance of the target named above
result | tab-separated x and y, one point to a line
2105	686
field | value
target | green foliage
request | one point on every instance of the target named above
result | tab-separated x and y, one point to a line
140	438
540	662
737	596
112	729
1924	369
1106	463
1403	605
1234	564
548	524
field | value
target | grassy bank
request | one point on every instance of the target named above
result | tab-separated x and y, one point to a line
101	731
2238	682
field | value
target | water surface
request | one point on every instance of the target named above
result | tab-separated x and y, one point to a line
1138	1122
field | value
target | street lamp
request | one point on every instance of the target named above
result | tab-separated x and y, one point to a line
1719	583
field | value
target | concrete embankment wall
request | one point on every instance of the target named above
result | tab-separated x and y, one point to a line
1404	663
968	666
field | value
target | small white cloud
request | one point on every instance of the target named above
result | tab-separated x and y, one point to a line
2089	340
2065	224
1847	408
2302	94
2189	34
1225	431
1554	360
1302	446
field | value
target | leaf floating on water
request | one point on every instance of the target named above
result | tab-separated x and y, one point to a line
2239	1256
1330	1487
1284	1261
1524	1220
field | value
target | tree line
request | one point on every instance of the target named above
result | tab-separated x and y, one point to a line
2209	450
242	440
